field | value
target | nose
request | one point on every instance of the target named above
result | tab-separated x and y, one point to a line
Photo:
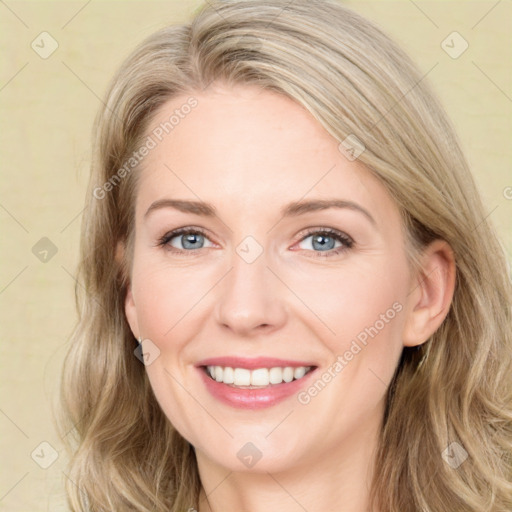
250	298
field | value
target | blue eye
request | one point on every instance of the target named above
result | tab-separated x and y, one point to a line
190	239
323	241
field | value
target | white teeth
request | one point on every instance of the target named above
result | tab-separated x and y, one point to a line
228	375
288	374
276	375
299	372
242	377
260	377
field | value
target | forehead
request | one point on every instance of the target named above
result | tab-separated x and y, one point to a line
250	148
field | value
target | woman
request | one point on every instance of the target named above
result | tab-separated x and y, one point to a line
279	211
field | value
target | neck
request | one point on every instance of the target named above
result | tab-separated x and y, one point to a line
337	480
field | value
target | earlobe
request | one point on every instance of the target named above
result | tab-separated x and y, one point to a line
131	312
431	294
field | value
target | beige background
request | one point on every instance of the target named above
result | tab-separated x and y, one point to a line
47	107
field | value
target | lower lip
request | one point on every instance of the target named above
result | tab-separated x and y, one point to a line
245	398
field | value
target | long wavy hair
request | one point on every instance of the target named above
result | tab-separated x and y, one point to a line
457	388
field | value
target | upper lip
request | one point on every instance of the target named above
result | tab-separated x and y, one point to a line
252	363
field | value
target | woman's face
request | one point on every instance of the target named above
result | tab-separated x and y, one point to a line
260	284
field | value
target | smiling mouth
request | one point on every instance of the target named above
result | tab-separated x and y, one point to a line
258	378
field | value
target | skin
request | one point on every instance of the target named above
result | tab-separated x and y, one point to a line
249	152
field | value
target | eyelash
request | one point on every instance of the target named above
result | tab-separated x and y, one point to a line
333	233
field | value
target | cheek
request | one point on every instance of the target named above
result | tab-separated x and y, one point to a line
362	312
168	301
359	312
349	301
165	297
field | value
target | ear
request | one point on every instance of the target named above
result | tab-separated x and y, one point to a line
131	313
129	302
431	294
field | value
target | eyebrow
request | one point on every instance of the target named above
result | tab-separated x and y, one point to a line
292	209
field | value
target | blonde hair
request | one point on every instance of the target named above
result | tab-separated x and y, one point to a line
125	454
